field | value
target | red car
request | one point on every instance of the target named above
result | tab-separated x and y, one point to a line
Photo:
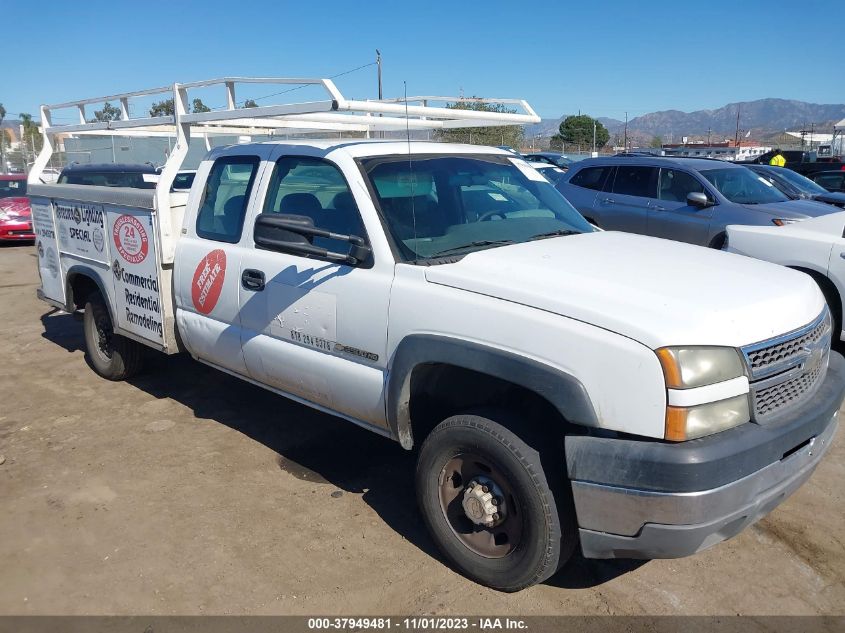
15	213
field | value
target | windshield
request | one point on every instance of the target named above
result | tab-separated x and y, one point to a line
448	205
802	183
12	188
743	186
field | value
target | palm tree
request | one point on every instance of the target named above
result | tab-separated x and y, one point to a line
2	139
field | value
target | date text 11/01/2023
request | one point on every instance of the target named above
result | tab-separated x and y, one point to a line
418	623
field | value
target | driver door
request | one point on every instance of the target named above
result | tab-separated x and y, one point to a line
314	328
671	216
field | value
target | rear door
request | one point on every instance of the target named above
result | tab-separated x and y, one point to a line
582	187
624	204
314	328
207	274
671	216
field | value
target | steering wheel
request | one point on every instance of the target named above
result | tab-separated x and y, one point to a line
484	217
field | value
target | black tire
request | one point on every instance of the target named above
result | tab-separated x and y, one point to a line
112	356
538	538
719	241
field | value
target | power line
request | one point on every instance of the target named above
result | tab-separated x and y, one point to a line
346	72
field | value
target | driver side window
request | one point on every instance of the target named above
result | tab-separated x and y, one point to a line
315	188
676	185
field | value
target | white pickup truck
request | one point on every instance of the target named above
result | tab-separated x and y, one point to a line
564	386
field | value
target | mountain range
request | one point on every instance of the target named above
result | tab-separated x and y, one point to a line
762	117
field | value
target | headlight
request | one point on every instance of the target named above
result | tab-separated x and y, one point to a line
688	423
784	221
687	367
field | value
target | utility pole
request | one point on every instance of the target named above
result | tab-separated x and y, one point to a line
626	132
378	65
594	136
708	136
736	134
380	95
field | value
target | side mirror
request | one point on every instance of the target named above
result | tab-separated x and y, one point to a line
698	199
294	233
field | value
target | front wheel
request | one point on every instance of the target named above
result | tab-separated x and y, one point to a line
488	505
112	356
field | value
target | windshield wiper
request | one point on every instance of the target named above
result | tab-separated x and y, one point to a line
541	236
462	247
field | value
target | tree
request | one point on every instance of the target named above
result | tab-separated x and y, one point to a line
31	134
510	135
163	108
250	103
108	113
656	142
166	108
578	130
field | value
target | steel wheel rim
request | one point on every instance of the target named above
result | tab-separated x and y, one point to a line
489	542
102	331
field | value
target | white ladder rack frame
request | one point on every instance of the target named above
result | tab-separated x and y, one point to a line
336	113
333	114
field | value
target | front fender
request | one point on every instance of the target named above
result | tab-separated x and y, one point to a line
563	391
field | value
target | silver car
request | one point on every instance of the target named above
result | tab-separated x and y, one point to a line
685	199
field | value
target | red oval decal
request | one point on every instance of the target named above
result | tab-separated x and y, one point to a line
130	237
208	281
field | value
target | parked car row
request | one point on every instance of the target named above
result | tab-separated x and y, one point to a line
686	199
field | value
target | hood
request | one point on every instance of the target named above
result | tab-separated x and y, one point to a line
831	197
15	206
655	291
793	208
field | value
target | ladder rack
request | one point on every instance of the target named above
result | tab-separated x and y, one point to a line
334	113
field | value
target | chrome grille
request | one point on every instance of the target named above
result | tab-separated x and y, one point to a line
768	401
764	360
786	370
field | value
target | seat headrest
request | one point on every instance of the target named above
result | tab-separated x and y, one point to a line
300	204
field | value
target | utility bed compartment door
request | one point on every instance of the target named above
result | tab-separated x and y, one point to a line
109	234
46	245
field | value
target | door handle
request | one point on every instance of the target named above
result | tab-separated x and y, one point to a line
607	201
657	207
252	280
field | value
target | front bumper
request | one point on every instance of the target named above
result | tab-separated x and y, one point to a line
651	499
16	231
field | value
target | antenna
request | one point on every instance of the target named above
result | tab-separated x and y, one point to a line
410	166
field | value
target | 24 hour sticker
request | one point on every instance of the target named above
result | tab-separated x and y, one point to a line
208	281
131	240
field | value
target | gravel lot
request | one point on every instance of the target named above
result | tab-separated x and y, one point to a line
186	491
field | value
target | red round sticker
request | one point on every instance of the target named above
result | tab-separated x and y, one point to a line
130	237
208	281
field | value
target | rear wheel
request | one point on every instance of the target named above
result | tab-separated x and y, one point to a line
488	505
112	356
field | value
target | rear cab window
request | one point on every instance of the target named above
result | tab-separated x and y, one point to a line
225	198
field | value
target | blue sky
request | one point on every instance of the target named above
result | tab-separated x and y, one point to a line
603	58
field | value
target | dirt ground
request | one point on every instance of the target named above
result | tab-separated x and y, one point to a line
186	491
